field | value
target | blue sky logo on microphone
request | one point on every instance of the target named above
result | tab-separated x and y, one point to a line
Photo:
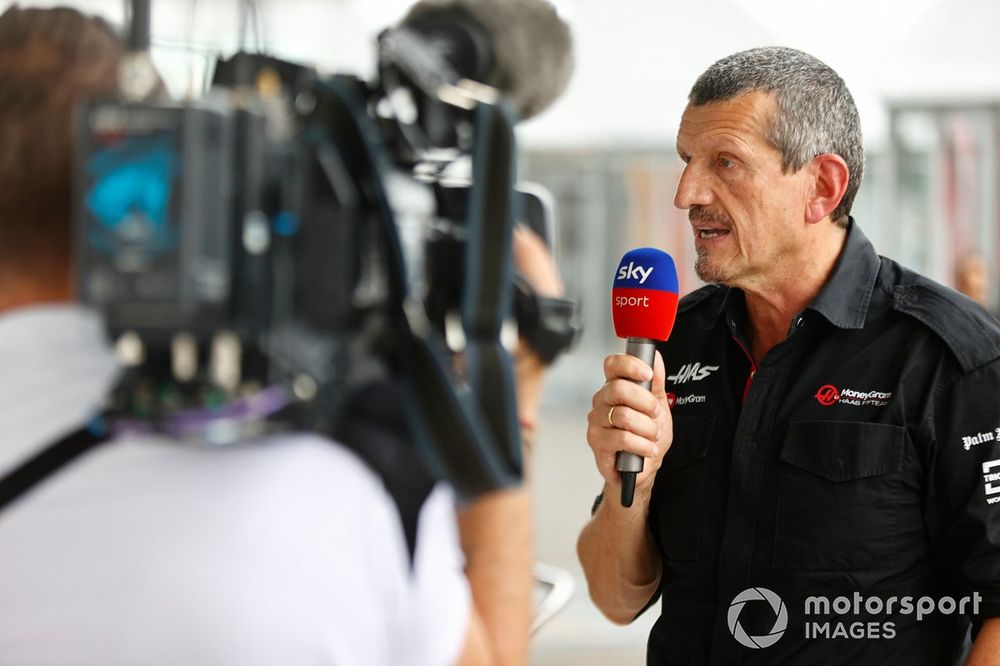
647	268
644	295
634	272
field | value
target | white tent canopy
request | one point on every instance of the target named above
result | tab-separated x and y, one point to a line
951	54
636	59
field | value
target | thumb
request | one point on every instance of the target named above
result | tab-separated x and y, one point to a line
659	376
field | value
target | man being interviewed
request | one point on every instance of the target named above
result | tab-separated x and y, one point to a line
825	474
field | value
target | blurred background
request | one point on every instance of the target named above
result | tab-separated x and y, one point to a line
925	75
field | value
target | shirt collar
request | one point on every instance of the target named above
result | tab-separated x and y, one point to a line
844	299
58	370
43	341
51	328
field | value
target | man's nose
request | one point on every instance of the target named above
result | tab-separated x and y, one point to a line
692	190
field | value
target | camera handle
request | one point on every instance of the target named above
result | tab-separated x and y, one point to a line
467	430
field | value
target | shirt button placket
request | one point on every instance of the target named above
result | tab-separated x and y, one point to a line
736	552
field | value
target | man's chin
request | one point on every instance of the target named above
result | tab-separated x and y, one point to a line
708	272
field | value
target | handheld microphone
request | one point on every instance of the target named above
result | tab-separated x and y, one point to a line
643	308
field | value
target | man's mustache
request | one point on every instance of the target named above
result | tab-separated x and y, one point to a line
702	214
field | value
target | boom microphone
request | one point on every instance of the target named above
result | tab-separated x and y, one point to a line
643	308
520	47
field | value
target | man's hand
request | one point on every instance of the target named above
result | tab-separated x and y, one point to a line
639	424
619	558
986	649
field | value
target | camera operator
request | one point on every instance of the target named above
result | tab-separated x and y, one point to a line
286	550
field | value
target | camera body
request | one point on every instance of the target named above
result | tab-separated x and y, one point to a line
299	238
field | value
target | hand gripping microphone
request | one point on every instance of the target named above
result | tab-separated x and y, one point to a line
643	308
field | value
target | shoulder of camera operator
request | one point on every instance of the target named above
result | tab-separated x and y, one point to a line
300	517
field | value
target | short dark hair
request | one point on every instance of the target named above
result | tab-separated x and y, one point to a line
815	111
50	59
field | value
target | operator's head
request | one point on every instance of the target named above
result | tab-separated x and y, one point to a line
772	142
50	59
972	277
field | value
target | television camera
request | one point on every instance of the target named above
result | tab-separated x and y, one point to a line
267	254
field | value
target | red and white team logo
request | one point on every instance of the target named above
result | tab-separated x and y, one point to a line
689	399
827	395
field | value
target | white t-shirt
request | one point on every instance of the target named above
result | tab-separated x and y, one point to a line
145	551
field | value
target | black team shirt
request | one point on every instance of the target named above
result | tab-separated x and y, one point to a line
857	466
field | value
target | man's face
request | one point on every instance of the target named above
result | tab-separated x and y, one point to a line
747	215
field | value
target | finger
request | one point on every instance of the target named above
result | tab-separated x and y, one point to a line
621	417
659	376
624	392
626	418
623	366
607	442
633	443
598	419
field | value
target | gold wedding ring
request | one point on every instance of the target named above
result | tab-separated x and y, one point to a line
610	414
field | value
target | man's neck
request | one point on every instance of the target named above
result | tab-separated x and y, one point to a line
14	294
771	306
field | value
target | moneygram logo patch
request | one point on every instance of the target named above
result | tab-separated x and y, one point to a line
828	395
780	618
674	401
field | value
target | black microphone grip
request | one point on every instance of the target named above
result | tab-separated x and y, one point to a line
629	464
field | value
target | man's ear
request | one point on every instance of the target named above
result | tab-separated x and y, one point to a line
830	175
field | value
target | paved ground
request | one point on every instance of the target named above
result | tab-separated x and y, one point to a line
565	483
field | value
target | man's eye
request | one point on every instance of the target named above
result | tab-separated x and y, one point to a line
726	163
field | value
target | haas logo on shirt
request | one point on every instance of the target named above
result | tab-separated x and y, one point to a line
692	372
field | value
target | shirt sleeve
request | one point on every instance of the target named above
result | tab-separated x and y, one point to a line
963	491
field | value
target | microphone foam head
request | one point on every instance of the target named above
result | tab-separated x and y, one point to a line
532	47
644	295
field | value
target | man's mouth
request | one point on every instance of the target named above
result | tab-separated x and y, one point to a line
708	225
710	232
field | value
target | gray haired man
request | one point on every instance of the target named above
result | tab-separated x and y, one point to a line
819	502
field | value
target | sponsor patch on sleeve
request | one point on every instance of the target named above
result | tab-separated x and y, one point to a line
991	479
977	438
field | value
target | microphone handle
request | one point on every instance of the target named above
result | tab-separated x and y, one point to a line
629	464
